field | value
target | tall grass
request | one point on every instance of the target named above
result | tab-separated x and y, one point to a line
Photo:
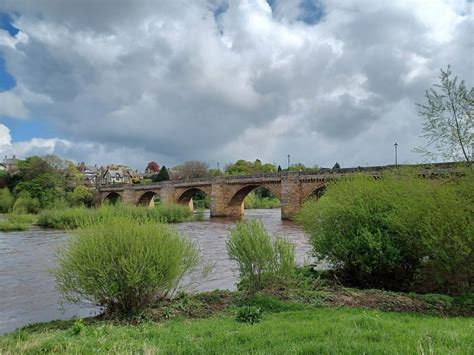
70	218
17	222
123	264
263	261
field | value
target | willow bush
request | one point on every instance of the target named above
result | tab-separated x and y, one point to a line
263	261
400	231
123	265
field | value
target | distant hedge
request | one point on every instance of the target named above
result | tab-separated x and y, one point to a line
400	232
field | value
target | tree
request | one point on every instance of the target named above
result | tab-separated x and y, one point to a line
192	169
163	175
279	168
152	167
336	166
448	119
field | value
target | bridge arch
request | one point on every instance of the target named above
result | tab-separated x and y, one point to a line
238	197
112	197
187	196
147	199
313	191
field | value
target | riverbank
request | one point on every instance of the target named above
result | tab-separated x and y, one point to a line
206	323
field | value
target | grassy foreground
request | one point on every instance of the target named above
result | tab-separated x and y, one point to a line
316	330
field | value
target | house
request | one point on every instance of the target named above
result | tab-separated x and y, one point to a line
10	165
91	173
116	174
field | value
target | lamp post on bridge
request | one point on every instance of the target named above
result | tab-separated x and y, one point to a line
218	168
288	162
396	153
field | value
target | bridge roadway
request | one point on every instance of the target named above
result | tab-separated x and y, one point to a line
227	193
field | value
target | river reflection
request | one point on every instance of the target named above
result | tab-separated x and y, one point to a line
27	290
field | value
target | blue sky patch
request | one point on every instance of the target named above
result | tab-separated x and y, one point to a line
24	130
6	24
7	81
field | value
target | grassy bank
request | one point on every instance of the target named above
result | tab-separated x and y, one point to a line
315	330
75	217
17	222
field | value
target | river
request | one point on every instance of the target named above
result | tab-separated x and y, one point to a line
27	290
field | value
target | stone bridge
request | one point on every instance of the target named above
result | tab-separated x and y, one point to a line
227	193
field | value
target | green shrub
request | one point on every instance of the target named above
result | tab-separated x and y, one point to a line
17	222
263	261
399	232
123	265
6	200
24	203
249	314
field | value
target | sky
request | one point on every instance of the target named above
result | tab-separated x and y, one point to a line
219	80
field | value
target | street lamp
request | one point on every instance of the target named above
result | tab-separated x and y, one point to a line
396	153
218	167
288	162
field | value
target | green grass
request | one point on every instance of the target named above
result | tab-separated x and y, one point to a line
17	222
317	330
74	217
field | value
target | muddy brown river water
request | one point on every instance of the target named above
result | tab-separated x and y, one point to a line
27	290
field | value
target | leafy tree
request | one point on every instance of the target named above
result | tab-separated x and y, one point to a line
297	167
152	167
243	167
163	175
448	119
82	196
336	166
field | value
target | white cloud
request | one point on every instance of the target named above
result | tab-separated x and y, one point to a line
167	79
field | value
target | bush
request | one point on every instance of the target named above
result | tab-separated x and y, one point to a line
6	200
399	232
17	222
263	261
123	265
24	203
70	218
249	314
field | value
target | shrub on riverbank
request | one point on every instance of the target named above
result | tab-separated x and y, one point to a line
6	200
71	218
398	232
263	261
123	265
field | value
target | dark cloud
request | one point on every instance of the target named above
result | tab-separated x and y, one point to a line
220	80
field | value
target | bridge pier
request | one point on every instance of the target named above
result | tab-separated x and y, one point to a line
220	202
290	196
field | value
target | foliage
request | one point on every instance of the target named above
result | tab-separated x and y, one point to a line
24	203
192	169
45	180
152	167
253	200
243	167
163	175
448	119
317	330
70	218
201	200
336	166
397	232
6	200
17	222
263	261
123	265
249	314
81	196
